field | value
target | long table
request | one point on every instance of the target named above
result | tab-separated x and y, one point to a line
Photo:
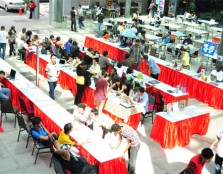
67	80
54	117
175	129
114	51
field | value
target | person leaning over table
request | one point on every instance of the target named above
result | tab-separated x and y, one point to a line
124	130
80	81
81	113
129	62
218	73
52	70
185	58
89	55
152	65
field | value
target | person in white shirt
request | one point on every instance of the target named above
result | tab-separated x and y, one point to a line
81	17
218	73
3	39
119	69
22	34
81	113
95	70
21	45
52	70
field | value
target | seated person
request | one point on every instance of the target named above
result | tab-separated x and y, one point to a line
119	69
81	113
95	70
126	89
117	86
64	137
91	119
158	20
71	61
167	38
185	58
188	40
114	76
71	163
39	132
78	61
129	62
123	42
171	47
4	92
68	45
218	73
138	81
74	49
121	26
89	55
105	35
46	44
141	98
129	75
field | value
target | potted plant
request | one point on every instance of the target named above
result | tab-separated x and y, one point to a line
27	4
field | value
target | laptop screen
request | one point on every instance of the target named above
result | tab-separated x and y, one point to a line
12	73
62	61
213	78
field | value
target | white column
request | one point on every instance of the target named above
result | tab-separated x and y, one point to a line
36	11
127	8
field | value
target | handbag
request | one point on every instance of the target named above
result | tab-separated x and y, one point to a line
81	18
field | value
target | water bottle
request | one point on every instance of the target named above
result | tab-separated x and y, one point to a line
83	48
177	89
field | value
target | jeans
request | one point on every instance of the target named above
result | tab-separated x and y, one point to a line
52	86
133	151
100	28
80	22
2	50
4	93
31	10
12	49
218	164
73	25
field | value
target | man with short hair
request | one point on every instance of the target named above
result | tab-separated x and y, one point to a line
52	70
198	161
124	130
3	40
39	131
100	23
104	61
136	51
81	17
129	62
152	65
167	38
81	113
141	98
73	14
188	40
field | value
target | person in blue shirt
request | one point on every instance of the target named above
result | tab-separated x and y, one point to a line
154	68
167	38
141	98
68	45
39	132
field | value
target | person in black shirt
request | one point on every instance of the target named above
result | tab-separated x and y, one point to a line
73	13
100	24
80	81
188	40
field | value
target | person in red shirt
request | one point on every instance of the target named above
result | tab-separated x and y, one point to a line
32	6
198	161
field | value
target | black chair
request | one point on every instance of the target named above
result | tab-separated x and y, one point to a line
57	166
40	147
25	110
150	112
23	127
7	108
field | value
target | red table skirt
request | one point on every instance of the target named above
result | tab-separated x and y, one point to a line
196	88
113	52
133	120
170	134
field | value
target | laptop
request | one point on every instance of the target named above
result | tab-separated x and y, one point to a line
11	75
62	61
153	82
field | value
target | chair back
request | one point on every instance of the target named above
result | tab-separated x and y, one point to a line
57	166
22	123
151	103
6	106
159	100
22	105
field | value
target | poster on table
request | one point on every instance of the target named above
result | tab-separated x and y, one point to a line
209	48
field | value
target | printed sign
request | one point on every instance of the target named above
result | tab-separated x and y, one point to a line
209	48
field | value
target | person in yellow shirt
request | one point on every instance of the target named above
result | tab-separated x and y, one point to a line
185	58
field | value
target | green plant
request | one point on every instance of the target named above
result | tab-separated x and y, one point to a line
27	3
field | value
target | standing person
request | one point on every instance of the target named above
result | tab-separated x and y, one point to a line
81	17
3	38
73	14
136	51
124	130
32	6
100	23
198	161
52	71
101	91
151	8
81	73
104	61
219	152
11	37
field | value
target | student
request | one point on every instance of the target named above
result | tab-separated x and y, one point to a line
92	116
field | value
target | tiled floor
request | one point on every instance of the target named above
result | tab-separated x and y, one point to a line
152	159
